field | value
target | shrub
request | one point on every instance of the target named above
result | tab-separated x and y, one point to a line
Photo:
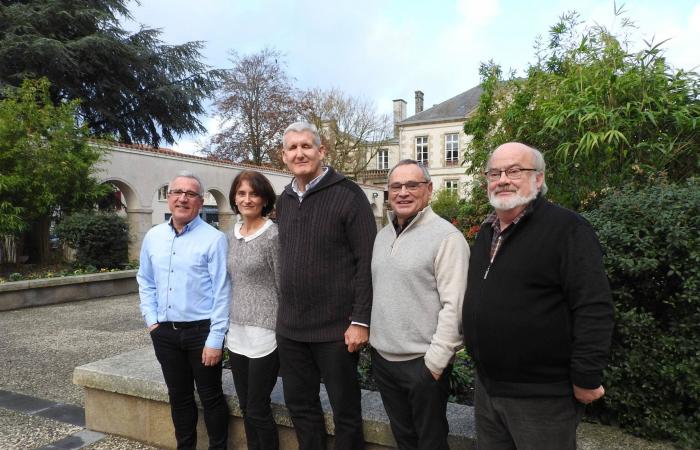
15	276
462	379
467	216
100	239
446	205
652	246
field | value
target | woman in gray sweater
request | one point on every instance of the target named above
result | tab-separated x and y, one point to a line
252	265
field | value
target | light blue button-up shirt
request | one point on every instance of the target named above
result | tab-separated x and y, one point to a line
182	277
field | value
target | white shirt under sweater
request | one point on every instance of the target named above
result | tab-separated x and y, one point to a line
249	340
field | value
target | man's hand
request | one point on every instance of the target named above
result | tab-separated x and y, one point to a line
587	396
436	376
356	336
211	357
153	327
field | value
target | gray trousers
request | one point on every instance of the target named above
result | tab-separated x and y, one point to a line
534	423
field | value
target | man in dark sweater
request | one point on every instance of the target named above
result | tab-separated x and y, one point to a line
326	233
537	314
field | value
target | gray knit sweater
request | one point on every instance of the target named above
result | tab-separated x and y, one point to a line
254	275
419	281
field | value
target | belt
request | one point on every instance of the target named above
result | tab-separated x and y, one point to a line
183	325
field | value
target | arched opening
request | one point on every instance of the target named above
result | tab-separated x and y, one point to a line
120	199
214	202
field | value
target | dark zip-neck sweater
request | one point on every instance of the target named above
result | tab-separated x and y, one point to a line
541	317
325	260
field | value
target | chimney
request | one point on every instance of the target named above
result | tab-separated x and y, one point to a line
419	101
399	114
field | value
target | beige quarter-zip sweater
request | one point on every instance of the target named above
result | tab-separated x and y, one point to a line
419	279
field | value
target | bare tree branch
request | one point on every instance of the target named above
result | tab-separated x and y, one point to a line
351	129
257	101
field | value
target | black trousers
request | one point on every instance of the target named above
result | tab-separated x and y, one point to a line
254	379
303	365
180	355
530	423
415	402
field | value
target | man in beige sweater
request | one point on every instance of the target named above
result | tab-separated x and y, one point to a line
419	275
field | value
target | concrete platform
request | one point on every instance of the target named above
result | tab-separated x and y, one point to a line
126	395
48	291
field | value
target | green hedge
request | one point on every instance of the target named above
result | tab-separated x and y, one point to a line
651	237
101	240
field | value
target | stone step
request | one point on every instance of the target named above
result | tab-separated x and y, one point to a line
126	395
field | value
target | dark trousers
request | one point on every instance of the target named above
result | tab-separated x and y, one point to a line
302	365
254	379
180	355
542	423
415	402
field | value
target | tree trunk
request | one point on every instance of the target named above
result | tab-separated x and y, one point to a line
8	249
37	241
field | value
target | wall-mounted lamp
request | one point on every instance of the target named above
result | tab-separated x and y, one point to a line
375	195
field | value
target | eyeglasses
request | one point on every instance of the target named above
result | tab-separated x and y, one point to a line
179	192
512	173
411	186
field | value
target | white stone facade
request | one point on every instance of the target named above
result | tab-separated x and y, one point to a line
434	136
446	171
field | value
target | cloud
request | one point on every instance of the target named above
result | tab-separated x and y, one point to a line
678	28
683	50
382	50
477	13
193	144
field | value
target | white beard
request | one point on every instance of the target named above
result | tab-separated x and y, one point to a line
505	204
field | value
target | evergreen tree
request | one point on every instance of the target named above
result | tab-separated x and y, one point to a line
130	86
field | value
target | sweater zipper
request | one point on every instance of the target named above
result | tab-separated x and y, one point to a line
396	238
498	245
393	244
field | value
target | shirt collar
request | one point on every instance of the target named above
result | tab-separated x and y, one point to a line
237	230
395	221
493	220
400	228
191	225
310	185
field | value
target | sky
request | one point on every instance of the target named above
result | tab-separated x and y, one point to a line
381	50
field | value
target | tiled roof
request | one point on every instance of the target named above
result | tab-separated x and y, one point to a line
458	107
171	152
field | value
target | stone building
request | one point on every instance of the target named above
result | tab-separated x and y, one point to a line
434	137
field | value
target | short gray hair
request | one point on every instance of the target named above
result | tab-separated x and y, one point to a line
537	161
188	174
411	162
301	127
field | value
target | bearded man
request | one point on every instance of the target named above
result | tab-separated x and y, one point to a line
537	314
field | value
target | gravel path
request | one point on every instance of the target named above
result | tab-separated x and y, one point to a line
40	347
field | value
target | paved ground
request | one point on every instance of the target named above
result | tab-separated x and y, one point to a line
40	408
39	347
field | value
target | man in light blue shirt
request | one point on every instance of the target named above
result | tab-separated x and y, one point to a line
185	293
